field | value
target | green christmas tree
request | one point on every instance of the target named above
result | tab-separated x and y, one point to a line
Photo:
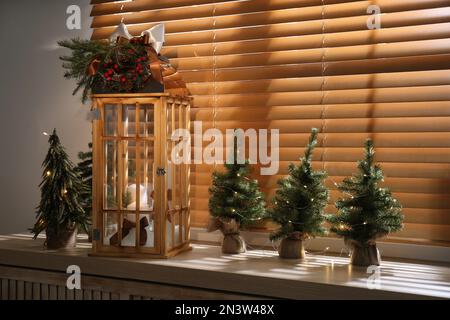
60	207
301	198
235	195
84	169
370	211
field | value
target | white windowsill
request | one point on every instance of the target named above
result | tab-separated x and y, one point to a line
256	273
320	245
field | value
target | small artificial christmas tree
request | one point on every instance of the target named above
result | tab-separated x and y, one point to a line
235	201
60	212
370	212
299	204
84	169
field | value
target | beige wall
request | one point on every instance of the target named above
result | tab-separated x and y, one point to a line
34	97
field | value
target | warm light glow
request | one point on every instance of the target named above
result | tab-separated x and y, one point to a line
45	133
48	173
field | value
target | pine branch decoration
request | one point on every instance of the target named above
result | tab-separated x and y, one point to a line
122	67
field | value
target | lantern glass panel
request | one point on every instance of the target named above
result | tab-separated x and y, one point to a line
130	189
177	116
129	120
111	175
111	227
128	230
147	231
147	175
177	203
147	120
170	205
110	120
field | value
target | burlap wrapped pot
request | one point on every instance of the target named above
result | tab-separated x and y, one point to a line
363	254
232	242
292	247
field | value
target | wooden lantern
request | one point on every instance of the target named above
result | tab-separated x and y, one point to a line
140	197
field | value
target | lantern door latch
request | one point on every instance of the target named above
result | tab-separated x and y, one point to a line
161	172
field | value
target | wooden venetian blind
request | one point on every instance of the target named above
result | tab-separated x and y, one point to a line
296	64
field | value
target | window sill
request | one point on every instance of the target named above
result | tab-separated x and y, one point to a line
388	249
257	273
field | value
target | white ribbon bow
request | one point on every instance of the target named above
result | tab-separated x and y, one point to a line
155	34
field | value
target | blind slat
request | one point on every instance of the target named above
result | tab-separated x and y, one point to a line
202	181
367	66
401	79
296	64
405	155
400	170
349	111
249	11
404	33
268	26
405	94
408	200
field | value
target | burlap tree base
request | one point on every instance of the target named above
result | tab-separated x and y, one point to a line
232	242
291	249
364	255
